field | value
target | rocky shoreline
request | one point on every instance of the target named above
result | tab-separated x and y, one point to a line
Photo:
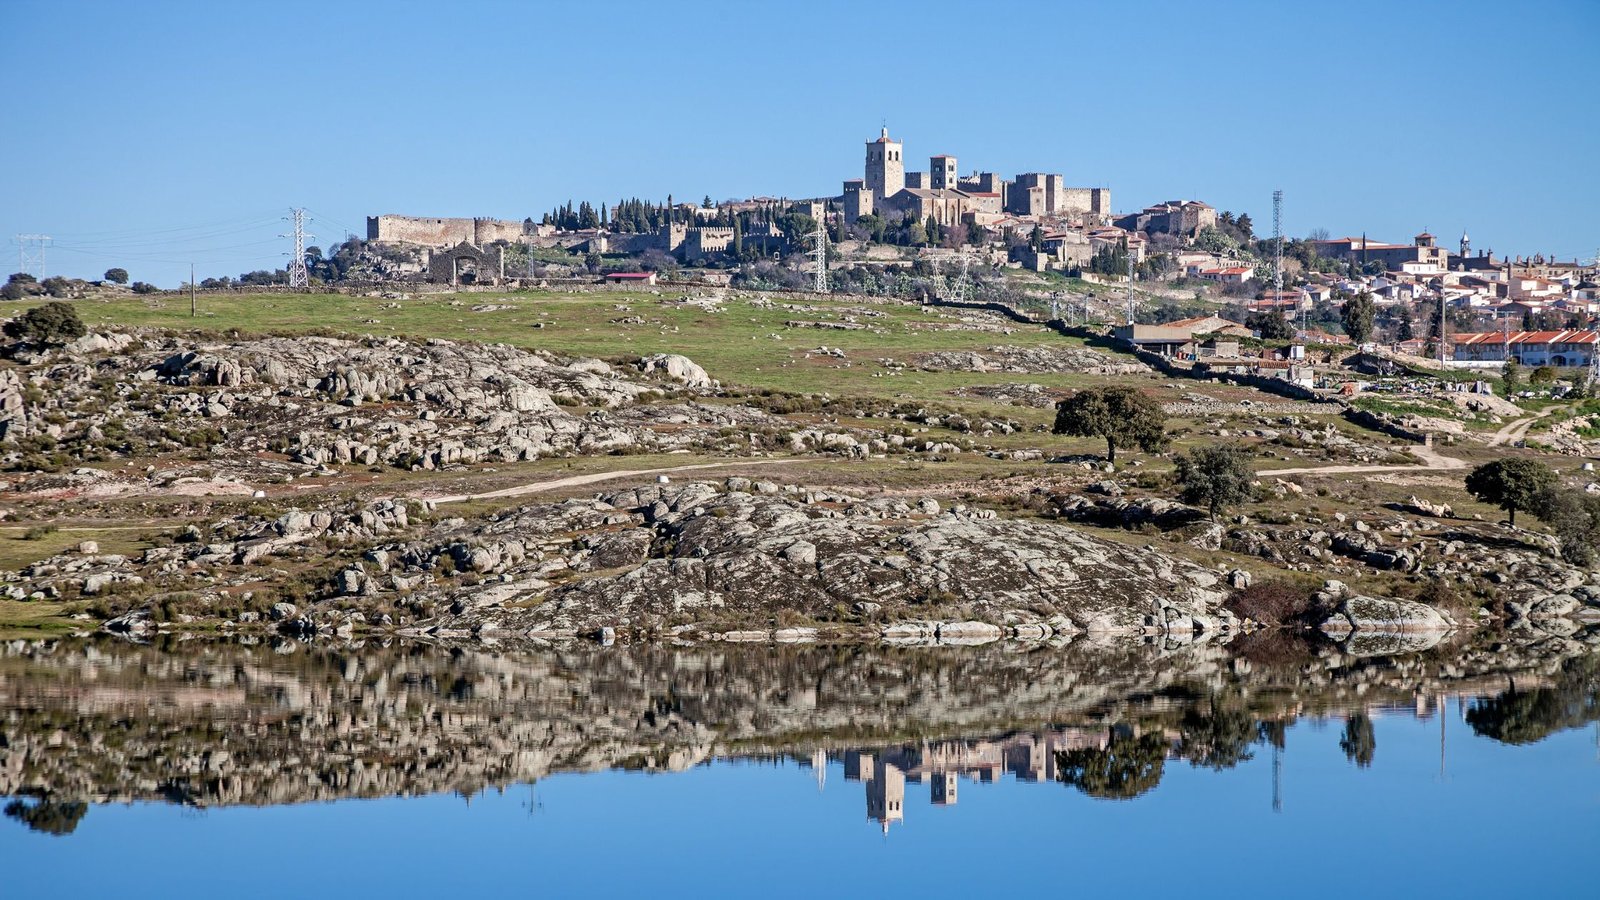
736	560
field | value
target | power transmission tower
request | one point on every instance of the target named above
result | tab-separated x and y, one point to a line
960	291
298	276
819	260
30	254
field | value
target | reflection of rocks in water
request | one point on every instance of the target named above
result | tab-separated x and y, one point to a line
221	723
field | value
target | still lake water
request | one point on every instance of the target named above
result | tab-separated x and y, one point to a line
233	770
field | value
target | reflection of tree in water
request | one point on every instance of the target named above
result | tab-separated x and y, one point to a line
1217	733
1523	717
1359	742
1126	768
48	816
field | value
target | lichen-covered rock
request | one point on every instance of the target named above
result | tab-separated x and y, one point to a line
1361	613
721	556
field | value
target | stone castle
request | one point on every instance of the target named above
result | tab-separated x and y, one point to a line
947	197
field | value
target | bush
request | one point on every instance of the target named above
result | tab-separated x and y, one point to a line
39	532
117	276
1574	517
1276	602
142	287
53	323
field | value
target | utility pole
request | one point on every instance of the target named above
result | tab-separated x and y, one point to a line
193	302
30	254
299	278
1277	778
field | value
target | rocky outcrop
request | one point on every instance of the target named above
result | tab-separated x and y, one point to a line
1030	360
13	408
753	555
1380	625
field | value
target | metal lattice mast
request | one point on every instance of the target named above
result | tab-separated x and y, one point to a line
30	254
819	260
298	276
1277	258
1130	285
961	281
1277	243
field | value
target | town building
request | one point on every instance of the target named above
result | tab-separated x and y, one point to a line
1182	218
1180	338
1423	255
1574	348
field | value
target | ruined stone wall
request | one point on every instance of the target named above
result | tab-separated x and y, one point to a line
441	232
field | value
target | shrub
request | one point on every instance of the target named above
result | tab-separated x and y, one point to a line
39	532
52	323
1276	602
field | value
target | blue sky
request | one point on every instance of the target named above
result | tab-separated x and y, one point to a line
149	134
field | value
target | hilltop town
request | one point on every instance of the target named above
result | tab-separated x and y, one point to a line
1030	240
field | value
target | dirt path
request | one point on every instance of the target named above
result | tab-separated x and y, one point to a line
1432	461
1516	431
539	487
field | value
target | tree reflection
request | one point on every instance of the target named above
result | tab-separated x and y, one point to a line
48	816
1360	741
1523	717
1217	734
1126	768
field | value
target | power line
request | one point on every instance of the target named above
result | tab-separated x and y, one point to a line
262	217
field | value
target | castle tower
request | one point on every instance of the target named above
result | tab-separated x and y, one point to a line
886	169
942	172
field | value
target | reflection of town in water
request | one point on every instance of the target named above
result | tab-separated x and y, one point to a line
1117	762
218	724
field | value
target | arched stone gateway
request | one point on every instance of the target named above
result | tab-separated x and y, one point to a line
466	264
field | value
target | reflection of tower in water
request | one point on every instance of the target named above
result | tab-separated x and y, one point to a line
886	795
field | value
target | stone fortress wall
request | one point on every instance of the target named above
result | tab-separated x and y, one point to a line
435	232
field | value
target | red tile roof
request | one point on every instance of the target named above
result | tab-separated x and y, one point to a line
1528	337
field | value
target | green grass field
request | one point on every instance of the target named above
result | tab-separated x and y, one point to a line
744	345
